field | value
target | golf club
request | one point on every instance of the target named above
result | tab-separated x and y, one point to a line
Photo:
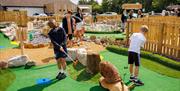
125	67
74	62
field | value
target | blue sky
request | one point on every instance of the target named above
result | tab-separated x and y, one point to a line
76	1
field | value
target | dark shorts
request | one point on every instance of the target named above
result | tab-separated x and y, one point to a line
60	54
70	36
134	58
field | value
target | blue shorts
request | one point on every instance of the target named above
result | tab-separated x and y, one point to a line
60	54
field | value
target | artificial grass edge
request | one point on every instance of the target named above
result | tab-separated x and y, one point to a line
148	55
102	32
6	78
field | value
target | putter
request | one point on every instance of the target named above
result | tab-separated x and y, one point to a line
125	67
74	62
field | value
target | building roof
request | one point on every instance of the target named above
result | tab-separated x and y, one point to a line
39	3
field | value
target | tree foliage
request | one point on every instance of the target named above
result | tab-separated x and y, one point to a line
115	5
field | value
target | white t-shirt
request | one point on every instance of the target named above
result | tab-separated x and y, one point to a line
137	41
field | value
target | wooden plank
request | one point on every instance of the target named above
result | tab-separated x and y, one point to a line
160	40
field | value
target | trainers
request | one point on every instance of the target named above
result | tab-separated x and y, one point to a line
138	82
61	76
132	78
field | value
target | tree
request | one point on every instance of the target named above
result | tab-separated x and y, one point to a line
115	5
147	4
105	5
95	5
159	5
84	2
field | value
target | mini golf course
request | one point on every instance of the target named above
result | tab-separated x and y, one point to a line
19	79
5	42
101	35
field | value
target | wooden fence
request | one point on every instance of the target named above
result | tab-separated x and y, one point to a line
162	19
58	18
163	37
109	18
19	17
88	19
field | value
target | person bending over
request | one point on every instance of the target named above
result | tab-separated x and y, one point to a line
57	36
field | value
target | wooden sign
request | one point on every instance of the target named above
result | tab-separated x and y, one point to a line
132	6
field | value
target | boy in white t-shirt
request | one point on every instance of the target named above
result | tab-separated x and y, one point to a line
137	41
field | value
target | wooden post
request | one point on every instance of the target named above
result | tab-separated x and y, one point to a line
21	41
160	41
178	56
127	33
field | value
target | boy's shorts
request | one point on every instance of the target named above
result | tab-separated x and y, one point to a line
60	54
133	58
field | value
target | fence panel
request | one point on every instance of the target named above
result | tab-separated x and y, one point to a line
19	17
163	37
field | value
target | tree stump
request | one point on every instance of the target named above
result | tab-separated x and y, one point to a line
109	72
3	65
93	60
113	86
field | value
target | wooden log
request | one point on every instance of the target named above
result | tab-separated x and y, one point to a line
113	87
109	72
93	60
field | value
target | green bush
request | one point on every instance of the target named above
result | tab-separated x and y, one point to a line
102	32
148	55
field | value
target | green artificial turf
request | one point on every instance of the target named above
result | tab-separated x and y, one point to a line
79	80
159	68
152	63
115	36
6	79
80	74
153	81
26	81
5	42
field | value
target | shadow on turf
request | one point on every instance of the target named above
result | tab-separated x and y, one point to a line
79	66
6	79
37	87
51	65
84	76
98	88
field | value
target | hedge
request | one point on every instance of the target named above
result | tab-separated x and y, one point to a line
148	55
102	32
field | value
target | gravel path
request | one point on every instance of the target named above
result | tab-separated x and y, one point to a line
44	55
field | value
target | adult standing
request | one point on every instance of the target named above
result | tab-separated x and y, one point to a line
123	20
131	14
139	14
177	12
79	24
94	14
67	24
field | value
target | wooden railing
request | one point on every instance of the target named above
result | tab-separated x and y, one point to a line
88	19
58	18
163	36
